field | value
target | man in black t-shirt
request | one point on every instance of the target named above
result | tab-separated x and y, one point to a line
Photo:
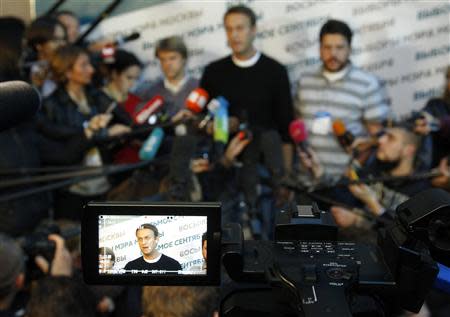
258	90
148	237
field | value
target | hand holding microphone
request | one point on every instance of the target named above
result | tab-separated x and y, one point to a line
299	134
96	123
308	158
344	137
182	115
194	104
151	146
364	193
360	148
424	123
234	148
200	165
118	129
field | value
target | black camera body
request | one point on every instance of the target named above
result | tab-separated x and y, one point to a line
306	271
309	276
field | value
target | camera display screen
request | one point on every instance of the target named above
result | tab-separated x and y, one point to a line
142	243
152	244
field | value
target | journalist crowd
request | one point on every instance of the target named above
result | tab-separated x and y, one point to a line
240	135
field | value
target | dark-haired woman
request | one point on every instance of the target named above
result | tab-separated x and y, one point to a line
122	70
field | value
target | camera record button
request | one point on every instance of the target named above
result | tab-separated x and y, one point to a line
336	273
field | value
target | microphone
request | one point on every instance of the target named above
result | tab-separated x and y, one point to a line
120	40
299	134
212	106
196	100
150	108
344	137
360	152
19	102
219	108
151	145
220	123
107	54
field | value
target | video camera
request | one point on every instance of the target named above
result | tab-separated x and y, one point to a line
306	271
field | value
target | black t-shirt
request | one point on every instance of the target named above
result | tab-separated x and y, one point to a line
164	263
259	93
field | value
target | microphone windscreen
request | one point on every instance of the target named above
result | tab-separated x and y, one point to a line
216	103
19	102
153	106
223	102
297	131
196	100
339	128
221	129
151	146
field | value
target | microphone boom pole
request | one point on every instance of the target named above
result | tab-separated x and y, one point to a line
54	7
104	14
64	183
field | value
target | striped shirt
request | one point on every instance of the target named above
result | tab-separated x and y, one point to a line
357	97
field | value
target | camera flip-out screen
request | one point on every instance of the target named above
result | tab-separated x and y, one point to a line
151	243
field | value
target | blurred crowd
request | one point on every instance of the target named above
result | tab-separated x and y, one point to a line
328	137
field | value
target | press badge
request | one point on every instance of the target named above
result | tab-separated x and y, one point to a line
322	123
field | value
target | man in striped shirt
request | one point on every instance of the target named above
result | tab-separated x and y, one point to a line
339	90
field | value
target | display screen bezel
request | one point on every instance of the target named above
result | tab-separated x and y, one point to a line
90	241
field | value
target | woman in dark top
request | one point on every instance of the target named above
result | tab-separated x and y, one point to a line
122	70
76	108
